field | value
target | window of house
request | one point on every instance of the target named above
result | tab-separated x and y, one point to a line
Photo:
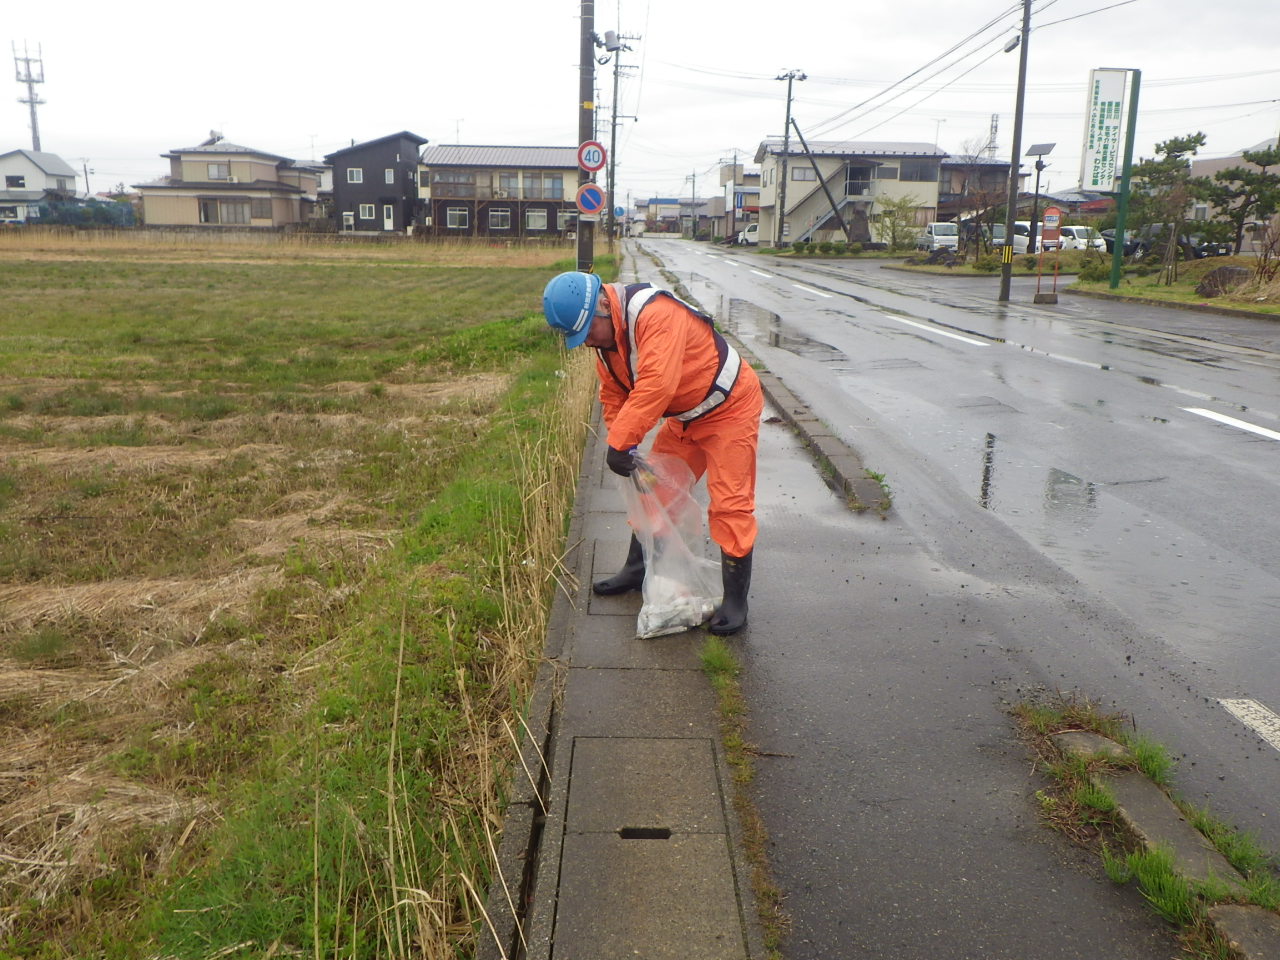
457	218
535	219
15	182
919	171
208	211
533	186
355	174
565	220
218	171
884	172
424	179
553	186
260	208
509	183
389	175
8	213
453	183
233	211
366	211
803	173
1200	212
500	218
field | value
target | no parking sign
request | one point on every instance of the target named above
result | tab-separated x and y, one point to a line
591	200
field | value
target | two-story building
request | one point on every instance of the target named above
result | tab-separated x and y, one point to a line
375	184
29	178
217	184
860	175
500	192
970	184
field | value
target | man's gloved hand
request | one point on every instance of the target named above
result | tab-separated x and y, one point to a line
621	462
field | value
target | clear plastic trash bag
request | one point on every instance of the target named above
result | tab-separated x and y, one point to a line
682	588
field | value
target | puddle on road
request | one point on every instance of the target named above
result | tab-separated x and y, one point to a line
768	326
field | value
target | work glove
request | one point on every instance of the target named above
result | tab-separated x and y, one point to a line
621	462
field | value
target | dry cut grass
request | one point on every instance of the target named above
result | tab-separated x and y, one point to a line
177	585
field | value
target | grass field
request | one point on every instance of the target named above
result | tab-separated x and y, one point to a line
279	525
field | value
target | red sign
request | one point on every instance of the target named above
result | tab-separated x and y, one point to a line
591	156
1051	225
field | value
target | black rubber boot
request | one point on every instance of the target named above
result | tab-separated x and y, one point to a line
630	577
731	615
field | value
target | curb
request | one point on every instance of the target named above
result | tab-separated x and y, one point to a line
1191	307
1155	821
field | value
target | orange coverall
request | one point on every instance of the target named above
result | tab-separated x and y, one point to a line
676	362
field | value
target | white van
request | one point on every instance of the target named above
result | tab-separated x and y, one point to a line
1082	238
750	235
1022	234
938	236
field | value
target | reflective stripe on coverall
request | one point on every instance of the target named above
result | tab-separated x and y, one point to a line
665	362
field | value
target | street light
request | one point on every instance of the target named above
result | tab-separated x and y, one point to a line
1039	151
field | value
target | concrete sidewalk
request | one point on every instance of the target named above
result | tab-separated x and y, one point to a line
630	834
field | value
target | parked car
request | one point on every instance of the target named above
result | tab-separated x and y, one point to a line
750	235
1133	244
1082	238
1022	237
1209	248
939	236
1152	237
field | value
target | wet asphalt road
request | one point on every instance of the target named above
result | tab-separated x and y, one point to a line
1068	515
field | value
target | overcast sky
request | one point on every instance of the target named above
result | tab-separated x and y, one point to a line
128	81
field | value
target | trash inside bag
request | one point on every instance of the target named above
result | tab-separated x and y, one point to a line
682	588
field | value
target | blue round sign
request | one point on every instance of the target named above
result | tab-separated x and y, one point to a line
619	211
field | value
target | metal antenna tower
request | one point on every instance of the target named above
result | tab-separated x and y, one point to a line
30	75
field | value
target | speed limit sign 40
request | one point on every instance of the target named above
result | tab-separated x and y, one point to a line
591	156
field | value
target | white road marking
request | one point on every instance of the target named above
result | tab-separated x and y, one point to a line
1233	422
1257	718
941	333
759	273
811	290
732	263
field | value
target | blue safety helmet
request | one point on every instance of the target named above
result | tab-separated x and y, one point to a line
569	301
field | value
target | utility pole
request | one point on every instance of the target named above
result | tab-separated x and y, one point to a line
85	163
30	76
733	205
613	43
586	122
1010	213
790	76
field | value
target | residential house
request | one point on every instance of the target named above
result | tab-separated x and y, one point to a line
741	198
31	178
221	185
684	215
500	192
860	175
375	184
968	185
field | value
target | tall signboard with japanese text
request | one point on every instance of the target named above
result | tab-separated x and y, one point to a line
1103	132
